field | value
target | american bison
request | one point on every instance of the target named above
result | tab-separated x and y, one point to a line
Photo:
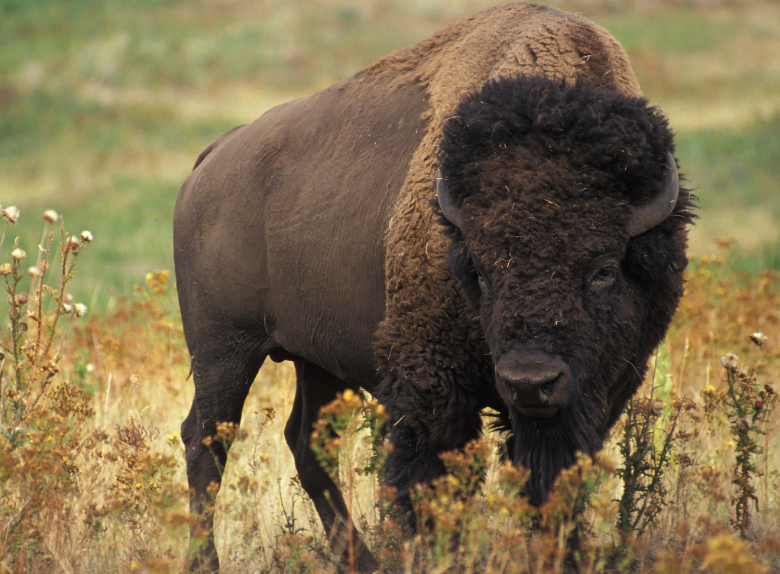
489	218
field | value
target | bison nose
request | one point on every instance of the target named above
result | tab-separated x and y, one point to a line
536	383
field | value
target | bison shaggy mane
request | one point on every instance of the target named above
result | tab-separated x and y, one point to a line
617	144
609	136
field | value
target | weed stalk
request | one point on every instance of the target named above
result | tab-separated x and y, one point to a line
748	406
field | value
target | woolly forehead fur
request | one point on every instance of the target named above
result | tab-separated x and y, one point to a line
545	173
601	134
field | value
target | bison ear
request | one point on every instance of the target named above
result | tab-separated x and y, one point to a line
647	216
446	203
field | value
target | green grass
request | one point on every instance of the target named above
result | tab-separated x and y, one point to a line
731	165
107	169
734	174
137	219
669	32
44	126
104	105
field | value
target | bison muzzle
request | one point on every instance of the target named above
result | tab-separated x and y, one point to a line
491	218
535	383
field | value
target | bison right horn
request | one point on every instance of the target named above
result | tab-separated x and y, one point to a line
647	216
446	204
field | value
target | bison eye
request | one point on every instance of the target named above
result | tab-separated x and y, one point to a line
606	273
481	273
603	272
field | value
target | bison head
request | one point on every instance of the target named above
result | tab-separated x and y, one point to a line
569	232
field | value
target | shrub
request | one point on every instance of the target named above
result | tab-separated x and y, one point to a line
74	497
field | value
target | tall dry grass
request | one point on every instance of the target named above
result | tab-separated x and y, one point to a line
92	474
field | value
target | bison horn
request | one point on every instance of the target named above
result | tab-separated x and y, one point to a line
446	204
647	216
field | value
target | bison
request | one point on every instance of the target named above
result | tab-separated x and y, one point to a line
489	218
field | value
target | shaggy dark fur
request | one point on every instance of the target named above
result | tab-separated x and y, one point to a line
545	173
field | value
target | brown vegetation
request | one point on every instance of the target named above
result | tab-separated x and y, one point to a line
92	476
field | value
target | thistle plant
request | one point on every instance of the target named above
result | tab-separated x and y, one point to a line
748	407
34	346
41	424
644	461
646	450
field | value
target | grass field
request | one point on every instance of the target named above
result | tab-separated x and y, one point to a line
104	106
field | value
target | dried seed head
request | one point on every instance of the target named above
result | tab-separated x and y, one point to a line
34	271
769	388
729	360
67	308
73	243
759	339
6	269
11	214
657	407
18	254
50	216
80	309
86	236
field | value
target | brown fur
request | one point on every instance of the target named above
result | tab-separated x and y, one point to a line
510	40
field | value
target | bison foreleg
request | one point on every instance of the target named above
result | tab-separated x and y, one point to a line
425	422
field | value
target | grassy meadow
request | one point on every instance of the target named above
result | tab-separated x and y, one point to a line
105	105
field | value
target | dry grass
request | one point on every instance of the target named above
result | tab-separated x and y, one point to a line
93	479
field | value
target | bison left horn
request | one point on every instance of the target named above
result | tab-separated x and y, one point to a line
446	204
647	216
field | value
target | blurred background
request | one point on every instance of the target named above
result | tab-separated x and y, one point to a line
105	104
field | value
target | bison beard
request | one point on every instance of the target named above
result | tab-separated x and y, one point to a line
547	447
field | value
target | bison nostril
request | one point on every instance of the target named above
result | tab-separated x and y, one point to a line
532	390
536	383
549	387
